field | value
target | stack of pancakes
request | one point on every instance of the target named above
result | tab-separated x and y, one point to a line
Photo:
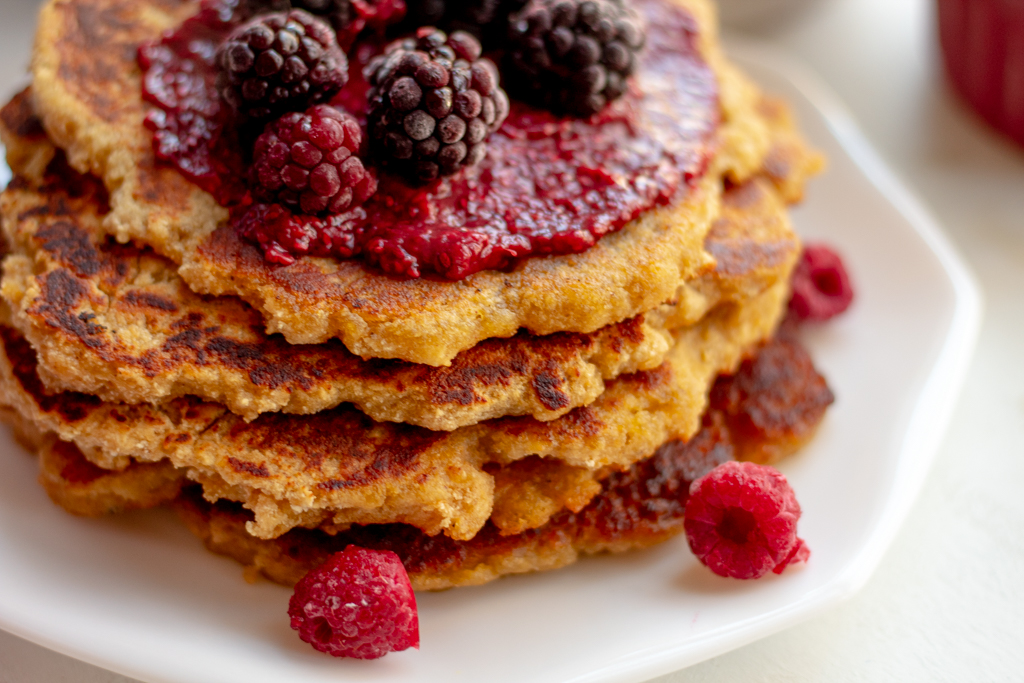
502	423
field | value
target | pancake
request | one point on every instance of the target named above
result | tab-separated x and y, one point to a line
86	88
83	489
634	508
339	464
116	321
527	492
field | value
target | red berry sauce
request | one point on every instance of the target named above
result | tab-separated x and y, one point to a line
549	185
188	121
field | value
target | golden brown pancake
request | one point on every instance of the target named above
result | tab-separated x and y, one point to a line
116	321
630	509
340	465
86	89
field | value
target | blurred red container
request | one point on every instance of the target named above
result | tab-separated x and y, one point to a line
983	45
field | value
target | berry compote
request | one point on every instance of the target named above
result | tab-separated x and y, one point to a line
549	185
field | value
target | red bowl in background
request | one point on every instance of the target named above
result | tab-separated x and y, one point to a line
983	45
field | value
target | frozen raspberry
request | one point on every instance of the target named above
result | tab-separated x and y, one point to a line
741	519
798	556
308	162
359	603
821	287
280	62
284	235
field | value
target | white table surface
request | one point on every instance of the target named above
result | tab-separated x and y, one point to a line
947	603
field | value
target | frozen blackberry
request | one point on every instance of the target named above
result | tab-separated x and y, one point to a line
433	103
280	62
573	56
308	162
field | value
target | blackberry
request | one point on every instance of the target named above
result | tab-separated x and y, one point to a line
433	102
308	162
573	56
280	62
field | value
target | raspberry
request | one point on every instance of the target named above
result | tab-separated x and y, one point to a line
280	62
573	56
797	557
308	162
821	287
283	235
359	603
433	102
741	520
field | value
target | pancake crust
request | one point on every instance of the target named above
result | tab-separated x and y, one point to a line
117	322
86	89
634	508
340	465
528	492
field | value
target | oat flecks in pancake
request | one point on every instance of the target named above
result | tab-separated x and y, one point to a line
91	106
340	466
630	509
117	322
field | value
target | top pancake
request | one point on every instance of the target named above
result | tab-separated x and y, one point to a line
87	91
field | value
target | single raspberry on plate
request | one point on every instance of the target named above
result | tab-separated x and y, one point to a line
308	162
280	62
433	103
741	520
359	603
573	56
821	287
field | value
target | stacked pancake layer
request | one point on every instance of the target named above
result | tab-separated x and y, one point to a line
480	427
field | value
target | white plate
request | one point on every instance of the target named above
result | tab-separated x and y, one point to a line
139	595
